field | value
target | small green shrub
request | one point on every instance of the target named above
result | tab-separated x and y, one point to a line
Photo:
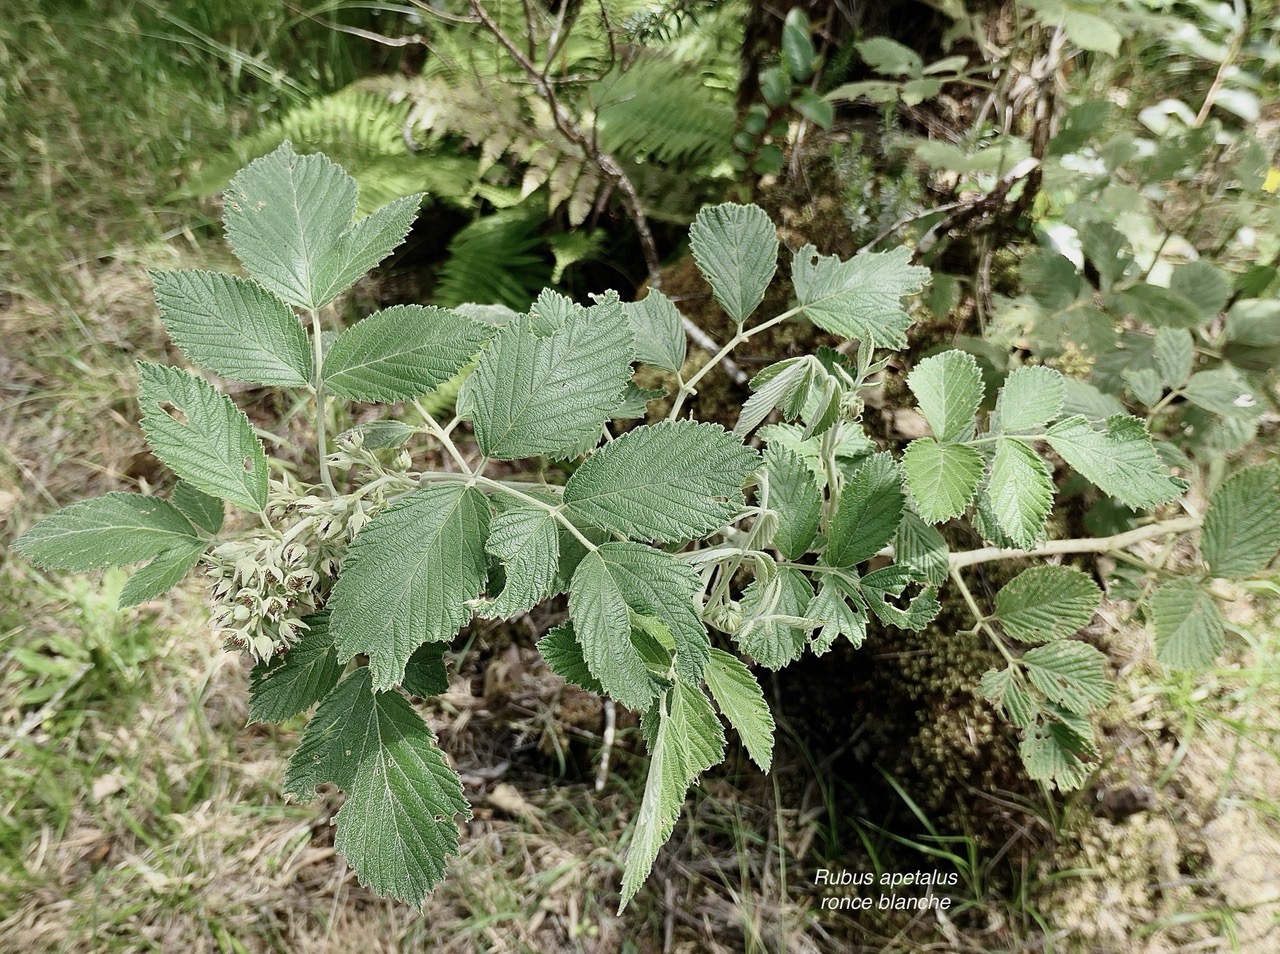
346	587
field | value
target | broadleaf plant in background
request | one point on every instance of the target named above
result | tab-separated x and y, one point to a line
689	553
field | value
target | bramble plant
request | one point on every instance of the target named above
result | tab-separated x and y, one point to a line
347	588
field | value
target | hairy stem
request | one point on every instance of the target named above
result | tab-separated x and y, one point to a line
979	617
442	435
690	387
504	487
317	384
1119	541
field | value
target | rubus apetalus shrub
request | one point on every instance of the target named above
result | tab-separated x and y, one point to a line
347	588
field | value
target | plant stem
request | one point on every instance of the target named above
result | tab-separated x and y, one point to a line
317	384
980	618
440	434
1119	541
477	480
689	387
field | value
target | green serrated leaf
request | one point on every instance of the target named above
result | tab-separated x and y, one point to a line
1019	491
1174	353
1153	305
425	674
233	327
1030	398
1203	284
860	298
1047	602
206	440
527	541
942	478
667	482
1083	399
1070	673
879	588
1057	752
740	698
838	613
401	353
201	509
921	547
890	58
870	509
794	496
408	577
1050	279
289	220
294	681
563	654
113	530
379	435
162	574
1002	688
333	740
1222	391
689	740
784	384
1119	460
1143	385
396	828
657	585
949	389
1107	250
1241	532
635	401
768	640
545	395
657	330
284	213
602	622
1189	628
736	248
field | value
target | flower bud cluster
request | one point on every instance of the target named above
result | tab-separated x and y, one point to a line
266	583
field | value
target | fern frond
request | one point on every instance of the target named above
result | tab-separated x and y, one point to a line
496	260
363	130
655	110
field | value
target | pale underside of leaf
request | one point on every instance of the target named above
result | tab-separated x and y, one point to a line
742	701
689	741
602	622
